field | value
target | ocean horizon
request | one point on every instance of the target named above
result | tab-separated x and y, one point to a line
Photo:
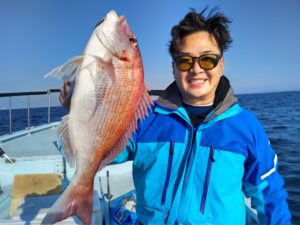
21	103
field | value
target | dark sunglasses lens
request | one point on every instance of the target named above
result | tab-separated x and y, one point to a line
208	62
184	63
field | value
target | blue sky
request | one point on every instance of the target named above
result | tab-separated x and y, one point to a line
36	36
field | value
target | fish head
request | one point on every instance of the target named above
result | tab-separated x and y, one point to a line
117	37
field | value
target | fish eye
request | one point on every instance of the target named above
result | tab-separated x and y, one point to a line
133	40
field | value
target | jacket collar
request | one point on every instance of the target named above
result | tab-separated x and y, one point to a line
228	101
171	99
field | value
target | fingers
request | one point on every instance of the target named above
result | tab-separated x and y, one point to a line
65	94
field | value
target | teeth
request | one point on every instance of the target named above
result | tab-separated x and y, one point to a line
197	81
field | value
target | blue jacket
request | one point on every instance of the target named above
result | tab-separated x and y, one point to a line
199	175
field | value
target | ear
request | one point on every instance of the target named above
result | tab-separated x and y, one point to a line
222	64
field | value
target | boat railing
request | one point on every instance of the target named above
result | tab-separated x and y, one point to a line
28	94
47	92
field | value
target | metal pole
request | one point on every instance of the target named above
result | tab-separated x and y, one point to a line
0	189
108	196
28	111
10	118
49	106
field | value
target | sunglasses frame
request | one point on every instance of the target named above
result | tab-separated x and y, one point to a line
194	59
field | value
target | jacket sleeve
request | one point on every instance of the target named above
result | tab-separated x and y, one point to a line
127	153
262	182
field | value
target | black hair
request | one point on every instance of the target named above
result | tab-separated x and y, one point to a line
216	24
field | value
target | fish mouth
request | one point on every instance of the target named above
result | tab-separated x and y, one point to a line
99	22
126	42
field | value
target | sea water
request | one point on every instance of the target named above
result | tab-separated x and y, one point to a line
278	112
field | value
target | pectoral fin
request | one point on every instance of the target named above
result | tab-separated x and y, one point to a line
68	70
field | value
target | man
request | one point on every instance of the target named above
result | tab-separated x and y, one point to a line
198	152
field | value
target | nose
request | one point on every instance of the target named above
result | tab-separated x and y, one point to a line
196	67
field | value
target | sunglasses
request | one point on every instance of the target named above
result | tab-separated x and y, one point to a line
206	62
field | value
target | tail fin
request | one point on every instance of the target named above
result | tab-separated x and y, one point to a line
76	200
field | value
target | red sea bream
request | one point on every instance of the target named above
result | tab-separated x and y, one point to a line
108	99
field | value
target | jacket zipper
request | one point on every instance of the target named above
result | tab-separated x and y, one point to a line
169	168
191	148
211	160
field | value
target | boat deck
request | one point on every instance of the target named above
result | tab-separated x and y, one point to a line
35	151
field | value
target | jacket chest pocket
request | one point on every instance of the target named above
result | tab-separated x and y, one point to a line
154	171
223	175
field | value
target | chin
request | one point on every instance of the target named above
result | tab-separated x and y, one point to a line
198	94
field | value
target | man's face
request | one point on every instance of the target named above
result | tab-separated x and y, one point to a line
198	86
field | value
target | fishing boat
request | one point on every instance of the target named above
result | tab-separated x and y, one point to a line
33	174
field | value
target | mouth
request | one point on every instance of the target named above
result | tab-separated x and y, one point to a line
197	81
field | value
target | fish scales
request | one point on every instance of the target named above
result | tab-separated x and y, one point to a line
109	98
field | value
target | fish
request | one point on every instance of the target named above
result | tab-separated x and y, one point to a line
109	99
